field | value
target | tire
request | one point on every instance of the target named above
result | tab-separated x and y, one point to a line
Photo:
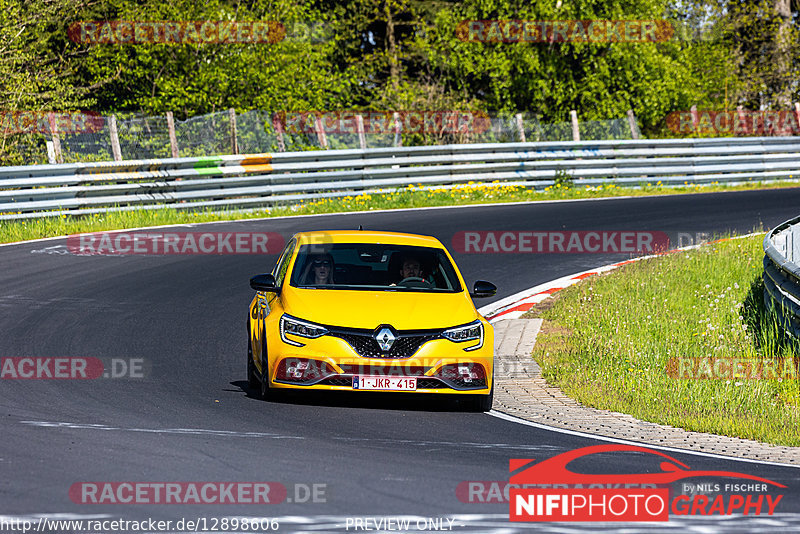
253	381
482	403
263	383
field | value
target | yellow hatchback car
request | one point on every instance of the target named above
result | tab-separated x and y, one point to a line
369	311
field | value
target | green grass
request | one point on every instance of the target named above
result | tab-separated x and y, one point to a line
606	342
408	197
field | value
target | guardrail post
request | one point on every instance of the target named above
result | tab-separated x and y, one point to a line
57	157
51	153
323	139
632	124
520	127
173	140
277	125
234	139
362	138
398	139
576	133
112	130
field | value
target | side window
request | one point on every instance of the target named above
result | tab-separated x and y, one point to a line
283	263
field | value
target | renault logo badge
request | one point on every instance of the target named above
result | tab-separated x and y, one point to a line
385	339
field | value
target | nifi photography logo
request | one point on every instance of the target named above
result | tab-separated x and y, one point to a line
549	491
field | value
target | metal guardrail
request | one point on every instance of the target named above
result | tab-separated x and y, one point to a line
258	180
782	274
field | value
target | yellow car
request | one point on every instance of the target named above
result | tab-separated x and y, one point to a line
369	311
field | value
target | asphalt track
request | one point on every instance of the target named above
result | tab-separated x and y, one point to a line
376	456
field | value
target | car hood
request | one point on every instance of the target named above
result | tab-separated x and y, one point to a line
369	309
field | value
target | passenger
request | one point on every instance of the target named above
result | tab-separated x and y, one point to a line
319	270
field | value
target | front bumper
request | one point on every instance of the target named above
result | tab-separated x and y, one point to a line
330	363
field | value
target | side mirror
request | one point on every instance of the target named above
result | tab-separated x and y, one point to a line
482	289
263	282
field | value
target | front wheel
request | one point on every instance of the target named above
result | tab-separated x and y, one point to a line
253	382
266	392
482	403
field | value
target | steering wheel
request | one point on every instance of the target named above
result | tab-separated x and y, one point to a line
414	281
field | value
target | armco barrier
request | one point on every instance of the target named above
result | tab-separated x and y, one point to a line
229	182
782	274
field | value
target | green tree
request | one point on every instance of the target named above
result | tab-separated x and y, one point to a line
192	79
36	71
599	80
766	37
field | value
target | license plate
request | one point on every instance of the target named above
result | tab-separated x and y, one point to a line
385	383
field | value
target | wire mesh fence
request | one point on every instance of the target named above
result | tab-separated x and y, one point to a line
204	135
131	136
140	137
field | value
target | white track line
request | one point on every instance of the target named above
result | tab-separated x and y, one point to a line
513	419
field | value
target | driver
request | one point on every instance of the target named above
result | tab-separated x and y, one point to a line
411	267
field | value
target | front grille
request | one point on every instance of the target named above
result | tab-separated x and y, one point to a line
384	370
430	383
337	381
405	345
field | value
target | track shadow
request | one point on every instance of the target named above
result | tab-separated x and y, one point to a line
763	323
769	337
373	400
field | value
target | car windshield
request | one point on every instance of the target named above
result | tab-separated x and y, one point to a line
374	267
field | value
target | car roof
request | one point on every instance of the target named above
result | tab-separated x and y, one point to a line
363	236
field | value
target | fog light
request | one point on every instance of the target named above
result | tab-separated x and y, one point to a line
463	373
301	370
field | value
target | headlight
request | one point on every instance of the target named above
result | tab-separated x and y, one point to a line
471	332
298	327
